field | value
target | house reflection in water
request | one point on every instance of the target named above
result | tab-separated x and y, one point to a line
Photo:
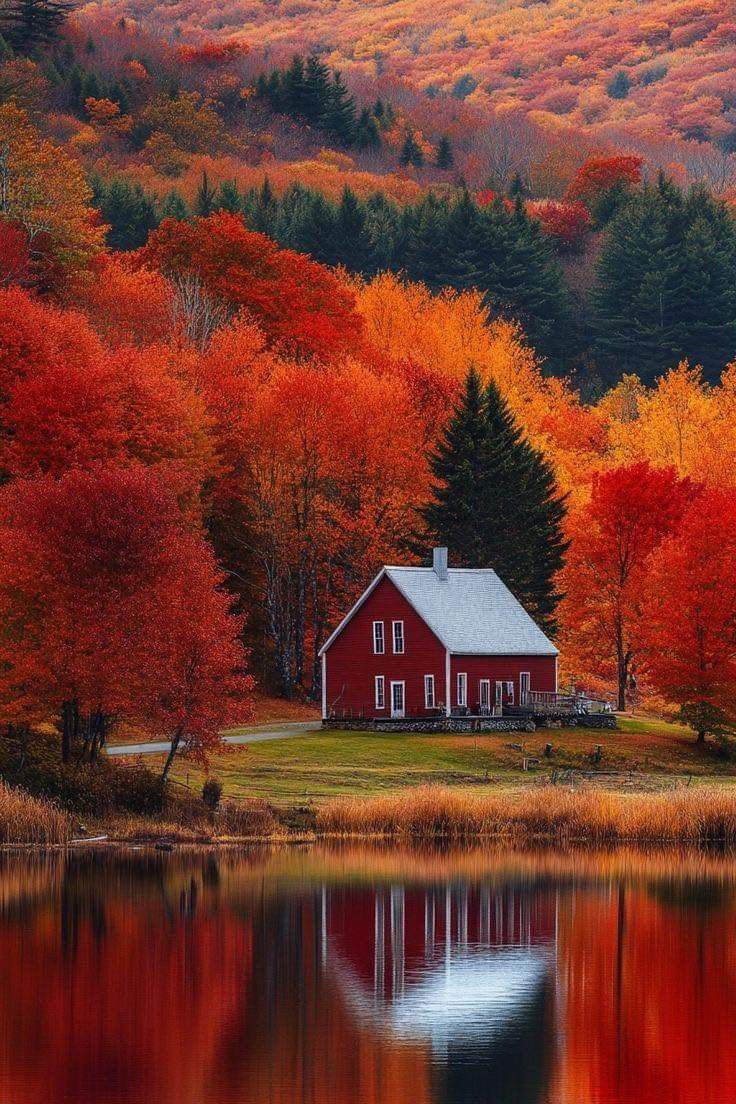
468	971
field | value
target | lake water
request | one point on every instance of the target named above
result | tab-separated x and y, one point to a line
367	976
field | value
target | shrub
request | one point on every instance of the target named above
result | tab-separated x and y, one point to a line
247	818
26	819
211	793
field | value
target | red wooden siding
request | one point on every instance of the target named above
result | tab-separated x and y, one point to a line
352	666
504	668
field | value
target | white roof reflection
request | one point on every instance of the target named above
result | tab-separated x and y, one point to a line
478	993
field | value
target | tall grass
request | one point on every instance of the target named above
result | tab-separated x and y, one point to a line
548	812
26	819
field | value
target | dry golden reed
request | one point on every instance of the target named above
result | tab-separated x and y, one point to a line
547	812
26	819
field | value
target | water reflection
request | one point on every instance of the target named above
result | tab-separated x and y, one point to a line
336	976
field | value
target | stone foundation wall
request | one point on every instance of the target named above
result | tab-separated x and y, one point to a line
469	724
432	724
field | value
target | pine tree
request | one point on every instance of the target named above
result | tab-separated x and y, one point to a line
229	198
339	117
411	153
205	199
262	208
292	87
637	298
459	465
428	245
367	133
444	159
29	24
495	502
317	92
465	260
174	206
127	210
350	235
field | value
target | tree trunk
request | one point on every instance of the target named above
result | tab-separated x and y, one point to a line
700	737
69	728
623	658
176	740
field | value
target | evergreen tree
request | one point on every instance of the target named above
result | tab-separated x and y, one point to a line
317	92
464	259
174	206
31	24
127	210
665	284
262	209
495	502
353	245
229	198
428	246
367	133
444	159
411	153
205	199
292	87
517	187
522	278
459	465
339	117
619	86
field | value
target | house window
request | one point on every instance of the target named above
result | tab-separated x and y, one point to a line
379	644
462	688
398	637
485	694
510	693
380	692
525	680
499	693
429	692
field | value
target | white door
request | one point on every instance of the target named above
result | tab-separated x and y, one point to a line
499	695
524	687
485	693
397	699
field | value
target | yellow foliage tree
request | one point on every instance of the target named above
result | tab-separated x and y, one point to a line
44	190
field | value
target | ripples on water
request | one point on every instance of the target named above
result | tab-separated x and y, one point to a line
354	976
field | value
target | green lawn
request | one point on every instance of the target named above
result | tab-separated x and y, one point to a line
322	765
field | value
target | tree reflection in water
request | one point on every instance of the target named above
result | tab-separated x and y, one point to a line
336	976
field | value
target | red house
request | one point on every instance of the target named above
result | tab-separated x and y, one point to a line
427	641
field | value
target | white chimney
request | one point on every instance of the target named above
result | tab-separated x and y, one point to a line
439	563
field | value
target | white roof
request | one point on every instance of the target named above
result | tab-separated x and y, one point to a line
472	612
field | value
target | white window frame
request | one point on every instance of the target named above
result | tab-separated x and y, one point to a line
462	688
484	689
528	676
498	693
394	711
510	692
379	638
400	626
430	700
380	691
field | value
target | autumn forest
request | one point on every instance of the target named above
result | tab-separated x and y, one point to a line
267	280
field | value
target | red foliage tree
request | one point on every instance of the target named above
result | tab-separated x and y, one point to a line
598	174
15	257
613	537
299	304
690	629
110	608
566	224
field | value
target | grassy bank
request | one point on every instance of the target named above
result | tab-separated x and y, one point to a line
26	819
546	812
320	766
